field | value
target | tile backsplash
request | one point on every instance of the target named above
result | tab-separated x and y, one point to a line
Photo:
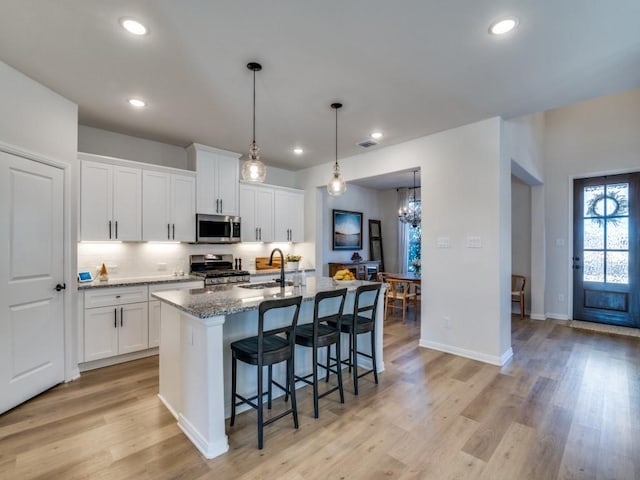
132	259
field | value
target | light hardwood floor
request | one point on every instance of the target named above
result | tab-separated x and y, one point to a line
566	406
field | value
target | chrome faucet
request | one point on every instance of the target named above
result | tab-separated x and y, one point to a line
281	264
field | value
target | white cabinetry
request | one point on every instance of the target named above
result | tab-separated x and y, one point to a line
154	307
289	215
217	174
168	206
111	202
256	212
115	322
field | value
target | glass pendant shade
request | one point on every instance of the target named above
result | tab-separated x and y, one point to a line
411	214
253	170
336	185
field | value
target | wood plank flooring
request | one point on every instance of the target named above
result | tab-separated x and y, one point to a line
567	406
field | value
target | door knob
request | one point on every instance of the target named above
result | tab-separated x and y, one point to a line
61	286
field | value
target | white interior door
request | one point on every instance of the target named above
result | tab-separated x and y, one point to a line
31	257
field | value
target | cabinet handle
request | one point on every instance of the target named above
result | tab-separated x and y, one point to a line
116	229
109	229
121	315
260	233
256	233
217	205
115	318
168	231
174	231
220	205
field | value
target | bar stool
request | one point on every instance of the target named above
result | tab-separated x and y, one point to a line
266	349
323	332
358	323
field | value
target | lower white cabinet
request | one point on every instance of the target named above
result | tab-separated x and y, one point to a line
115	330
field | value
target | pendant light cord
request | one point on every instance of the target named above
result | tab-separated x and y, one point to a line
336	137
254	106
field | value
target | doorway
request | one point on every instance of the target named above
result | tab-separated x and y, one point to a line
605	250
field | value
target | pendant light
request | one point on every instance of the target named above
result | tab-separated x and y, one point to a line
253	170
411	213
336	185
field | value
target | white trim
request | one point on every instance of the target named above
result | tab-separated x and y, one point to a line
92	157
461	352
127	357
537	316
169	407
74	375
557	316
208	449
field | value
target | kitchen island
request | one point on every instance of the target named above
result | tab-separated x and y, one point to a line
197	327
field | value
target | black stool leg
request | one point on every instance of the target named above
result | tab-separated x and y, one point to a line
354	349
259	401
339	368
315	382
373	355
291	382
234	367
328	362
269	388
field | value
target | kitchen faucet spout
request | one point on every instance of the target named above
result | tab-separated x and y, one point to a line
281	264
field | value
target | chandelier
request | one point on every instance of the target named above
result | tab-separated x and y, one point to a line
336	185
253	170
411	214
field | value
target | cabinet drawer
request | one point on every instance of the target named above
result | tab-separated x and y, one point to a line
173	286
104	297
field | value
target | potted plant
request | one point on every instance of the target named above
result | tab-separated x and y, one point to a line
293	261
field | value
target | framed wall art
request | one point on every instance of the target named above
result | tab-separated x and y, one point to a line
347	230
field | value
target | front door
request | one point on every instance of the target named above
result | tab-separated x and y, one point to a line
606	251
31	261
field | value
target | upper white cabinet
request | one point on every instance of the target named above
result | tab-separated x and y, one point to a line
257	213
168	206
217	176
111	202
288	215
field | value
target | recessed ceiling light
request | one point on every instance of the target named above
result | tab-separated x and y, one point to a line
298	151
505	25
137	102
133	26
376	135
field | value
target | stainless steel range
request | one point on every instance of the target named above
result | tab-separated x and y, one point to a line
217	269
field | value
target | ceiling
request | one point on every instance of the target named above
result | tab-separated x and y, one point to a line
408	68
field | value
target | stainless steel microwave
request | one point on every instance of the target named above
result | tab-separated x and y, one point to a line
217	229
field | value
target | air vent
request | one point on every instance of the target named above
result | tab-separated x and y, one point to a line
367	143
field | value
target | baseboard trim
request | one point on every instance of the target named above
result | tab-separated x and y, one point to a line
537	316
473	355
557	316
107	362
207	448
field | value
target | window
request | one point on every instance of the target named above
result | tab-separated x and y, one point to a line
414	236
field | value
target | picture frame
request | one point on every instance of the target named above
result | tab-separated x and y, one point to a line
347	230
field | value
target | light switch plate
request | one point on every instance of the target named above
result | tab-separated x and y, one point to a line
474	242
443	242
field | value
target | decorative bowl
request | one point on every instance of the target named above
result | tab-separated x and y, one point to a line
344	282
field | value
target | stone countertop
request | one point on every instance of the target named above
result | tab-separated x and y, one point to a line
131	281
229	299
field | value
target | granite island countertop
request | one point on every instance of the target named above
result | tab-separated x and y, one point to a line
230	299
140	280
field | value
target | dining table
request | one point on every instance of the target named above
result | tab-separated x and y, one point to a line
413	277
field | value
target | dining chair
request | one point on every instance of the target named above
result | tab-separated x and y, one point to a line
518	283
401	294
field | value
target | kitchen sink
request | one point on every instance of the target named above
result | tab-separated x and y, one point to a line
256	286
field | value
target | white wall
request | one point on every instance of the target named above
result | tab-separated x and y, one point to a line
38	121
112	144
586	139
521	234
465	185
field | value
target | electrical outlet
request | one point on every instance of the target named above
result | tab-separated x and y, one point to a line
112	268
561	297
162	267
446	322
